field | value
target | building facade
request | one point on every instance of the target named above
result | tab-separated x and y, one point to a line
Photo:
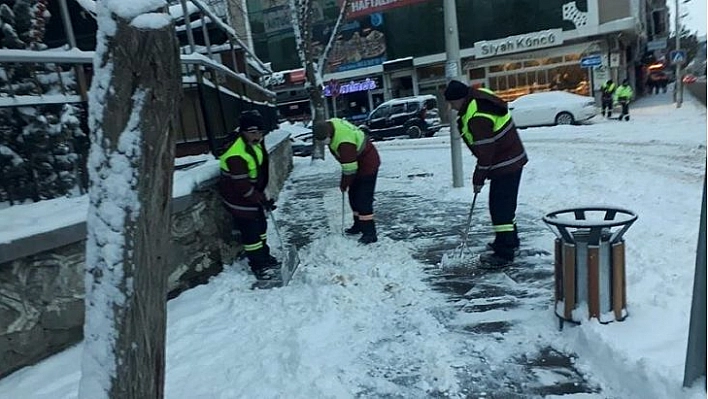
513	47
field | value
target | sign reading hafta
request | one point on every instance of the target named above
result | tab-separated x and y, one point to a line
358	8
519	43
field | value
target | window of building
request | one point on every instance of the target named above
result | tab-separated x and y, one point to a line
512	66
431	72
476	73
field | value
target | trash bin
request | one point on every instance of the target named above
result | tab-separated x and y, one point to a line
590	263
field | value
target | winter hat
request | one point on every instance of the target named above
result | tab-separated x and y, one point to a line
321	130
456	90
251	121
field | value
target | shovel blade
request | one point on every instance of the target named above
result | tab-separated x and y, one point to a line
289	265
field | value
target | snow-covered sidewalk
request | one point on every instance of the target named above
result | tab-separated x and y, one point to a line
384	321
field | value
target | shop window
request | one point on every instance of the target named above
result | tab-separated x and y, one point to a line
496	68
542	77
553	60
532	78
521	79
493	84
531	63
512	66
431	72
501	83
572	57
476	73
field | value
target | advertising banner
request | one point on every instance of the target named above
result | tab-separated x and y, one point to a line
361	43
360	8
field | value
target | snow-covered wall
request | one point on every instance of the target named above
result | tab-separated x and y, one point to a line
42	285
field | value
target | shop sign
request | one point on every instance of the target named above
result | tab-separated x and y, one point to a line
519	43
334	88
359	8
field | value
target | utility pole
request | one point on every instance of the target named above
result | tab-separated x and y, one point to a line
679	81
696	349
452	72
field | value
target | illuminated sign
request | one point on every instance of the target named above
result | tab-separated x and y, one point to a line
358	8
335	89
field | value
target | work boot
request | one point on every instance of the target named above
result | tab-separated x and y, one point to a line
507	239
494	261
271	260
355	229
258	261
368	227
626	118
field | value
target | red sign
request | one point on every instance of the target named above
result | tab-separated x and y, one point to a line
358	8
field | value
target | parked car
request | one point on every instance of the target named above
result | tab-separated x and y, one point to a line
689	78
552	108
415	117
301	144
300	137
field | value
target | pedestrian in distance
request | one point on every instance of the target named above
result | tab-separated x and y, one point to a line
360	166
623	95
608	91
486	126
243	180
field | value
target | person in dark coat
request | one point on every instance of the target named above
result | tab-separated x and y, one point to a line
608	91
486	126
244	177
360	165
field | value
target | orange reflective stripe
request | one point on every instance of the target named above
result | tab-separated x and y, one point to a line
366	217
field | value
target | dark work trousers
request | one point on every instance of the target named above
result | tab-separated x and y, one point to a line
607	105
625	109
503	194
251	230
361	195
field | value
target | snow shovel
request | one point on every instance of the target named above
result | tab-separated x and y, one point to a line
466	232
290	260
343	210
463	245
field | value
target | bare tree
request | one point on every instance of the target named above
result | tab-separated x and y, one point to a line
313	63
133	100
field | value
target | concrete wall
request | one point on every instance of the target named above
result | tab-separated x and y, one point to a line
42	277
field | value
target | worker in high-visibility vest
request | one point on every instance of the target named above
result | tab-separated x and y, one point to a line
608	91
623	95
486	126
244	177
360	165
